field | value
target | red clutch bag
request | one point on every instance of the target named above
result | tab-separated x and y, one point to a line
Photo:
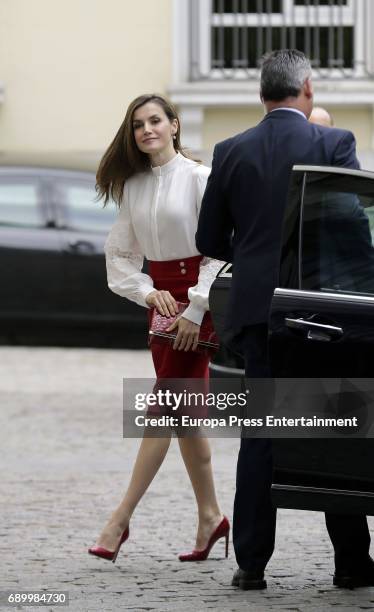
208	338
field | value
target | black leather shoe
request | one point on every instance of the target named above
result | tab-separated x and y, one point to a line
362	577
247	580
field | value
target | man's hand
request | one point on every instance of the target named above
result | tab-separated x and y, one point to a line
164	302
187	335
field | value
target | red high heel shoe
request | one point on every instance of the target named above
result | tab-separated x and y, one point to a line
222	531
99	551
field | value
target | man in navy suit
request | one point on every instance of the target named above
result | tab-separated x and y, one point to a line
241	222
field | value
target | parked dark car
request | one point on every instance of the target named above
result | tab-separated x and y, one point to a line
321	325
52	234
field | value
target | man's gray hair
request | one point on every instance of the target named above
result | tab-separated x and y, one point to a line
283	74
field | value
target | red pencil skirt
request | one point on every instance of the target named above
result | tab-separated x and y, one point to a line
177	276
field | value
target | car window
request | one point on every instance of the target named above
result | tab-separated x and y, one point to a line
19	204
82	210
337	251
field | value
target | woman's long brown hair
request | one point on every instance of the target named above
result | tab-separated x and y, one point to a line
123	159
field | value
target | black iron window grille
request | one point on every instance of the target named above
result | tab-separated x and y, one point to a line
229	37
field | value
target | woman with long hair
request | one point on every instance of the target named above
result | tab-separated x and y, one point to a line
159	189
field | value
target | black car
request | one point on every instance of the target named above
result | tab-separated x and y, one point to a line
52	234
321	326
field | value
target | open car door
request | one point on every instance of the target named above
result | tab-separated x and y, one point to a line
322	326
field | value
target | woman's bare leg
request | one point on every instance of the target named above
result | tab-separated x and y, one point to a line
196	455
149	459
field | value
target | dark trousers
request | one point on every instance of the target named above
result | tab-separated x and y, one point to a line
254	514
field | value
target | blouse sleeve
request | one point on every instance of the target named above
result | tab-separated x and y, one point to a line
209	268
124	260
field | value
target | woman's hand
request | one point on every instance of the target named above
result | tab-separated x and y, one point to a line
164	302
187	335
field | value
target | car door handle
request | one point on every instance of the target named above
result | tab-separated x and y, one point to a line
81	247
300	323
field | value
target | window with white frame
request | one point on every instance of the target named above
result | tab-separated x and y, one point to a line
229	37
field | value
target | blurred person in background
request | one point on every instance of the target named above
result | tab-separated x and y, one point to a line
320	116
159	189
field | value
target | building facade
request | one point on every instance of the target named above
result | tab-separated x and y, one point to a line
218	43
69	69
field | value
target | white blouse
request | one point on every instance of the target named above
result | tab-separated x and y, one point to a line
158	220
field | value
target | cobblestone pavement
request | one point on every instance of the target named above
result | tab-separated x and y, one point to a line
66	465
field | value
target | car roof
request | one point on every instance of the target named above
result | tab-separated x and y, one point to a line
334	170
72	161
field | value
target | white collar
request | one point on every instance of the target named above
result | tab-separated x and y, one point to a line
168	167
288	108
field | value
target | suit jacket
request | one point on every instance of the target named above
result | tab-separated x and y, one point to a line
245	198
